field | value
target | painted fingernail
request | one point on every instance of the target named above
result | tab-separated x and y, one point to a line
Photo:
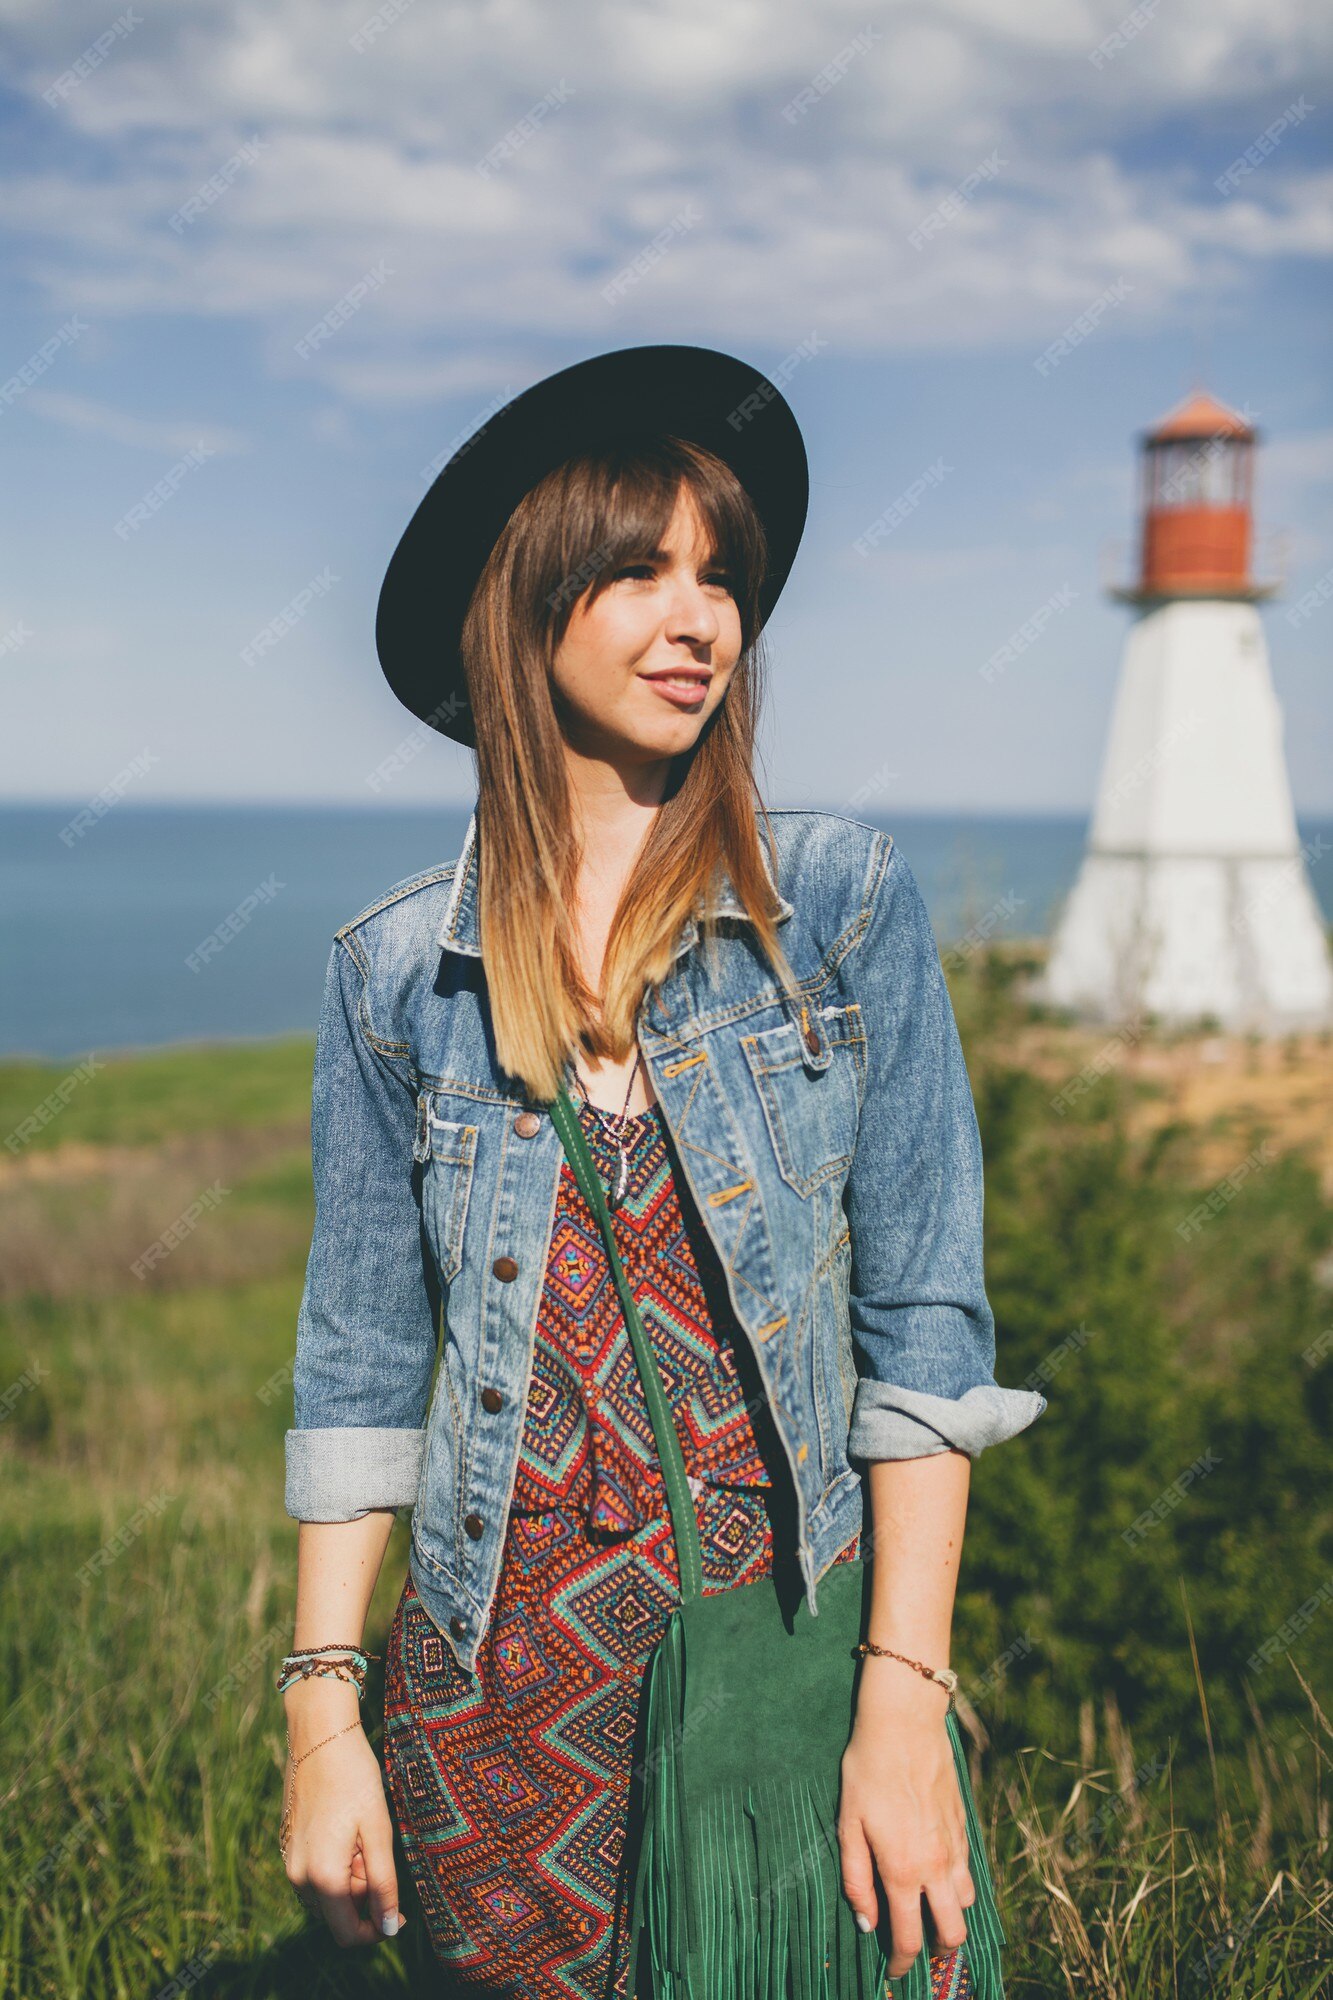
391	1923
863	1922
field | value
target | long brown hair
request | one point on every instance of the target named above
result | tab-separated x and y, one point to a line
564	541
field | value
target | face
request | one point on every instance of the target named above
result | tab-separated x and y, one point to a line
642	667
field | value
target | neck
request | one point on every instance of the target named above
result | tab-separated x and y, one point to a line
613	810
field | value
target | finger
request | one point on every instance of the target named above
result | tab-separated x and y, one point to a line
904	1927
963	1886
858	1871
348	1928
381	1876
340	1913
946	1913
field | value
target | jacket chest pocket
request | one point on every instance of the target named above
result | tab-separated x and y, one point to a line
811	1105
447	1151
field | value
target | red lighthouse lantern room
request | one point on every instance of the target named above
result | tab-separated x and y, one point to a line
1197	480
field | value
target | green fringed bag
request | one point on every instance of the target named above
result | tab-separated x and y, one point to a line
739	1877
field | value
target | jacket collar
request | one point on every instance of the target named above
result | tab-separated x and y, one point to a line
460	930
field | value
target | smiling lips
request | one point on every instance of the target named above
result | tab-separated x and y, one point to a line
685	686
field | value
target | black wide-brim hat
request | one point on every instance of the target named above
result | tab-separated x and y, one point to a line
709	398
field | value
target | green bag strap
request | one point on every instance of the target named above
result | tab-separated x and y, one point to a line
680	1501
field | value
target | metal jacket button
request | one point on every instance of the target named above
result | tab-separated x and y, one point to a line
491	1400
505	1269
812	1041
475	1526
458	1626
527	1124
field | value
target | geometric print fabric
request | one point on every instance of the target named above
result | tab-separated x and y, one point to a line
513	1786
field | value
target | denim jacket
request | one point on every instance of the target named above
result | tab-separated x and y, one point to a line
830	1146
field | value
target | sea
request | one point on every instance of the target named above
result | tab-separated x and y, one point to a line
156	924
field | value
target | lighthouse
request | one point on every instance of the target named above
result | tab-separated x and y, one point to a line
1193	900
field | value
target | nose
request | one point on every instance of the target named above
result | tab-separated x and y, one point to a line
691	614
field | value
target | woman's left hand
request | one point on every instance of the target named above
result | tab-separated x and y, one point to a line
900	1811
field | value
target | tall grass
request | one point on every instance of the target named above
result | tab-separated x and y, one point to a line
1157	1805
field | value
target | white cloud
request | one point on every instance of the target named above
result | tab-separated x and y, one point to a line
152	434
371	156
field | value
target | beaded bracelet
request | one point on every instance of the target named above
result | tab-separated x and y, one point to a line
946	1676
309	1661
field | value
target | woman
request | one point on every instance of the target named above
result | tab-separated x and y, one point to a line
786	1133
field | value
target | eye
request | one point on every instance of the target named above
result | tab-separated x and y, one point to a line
636	569
722	578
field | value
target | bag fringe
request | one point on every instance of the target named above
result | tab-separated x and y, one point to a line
740	1890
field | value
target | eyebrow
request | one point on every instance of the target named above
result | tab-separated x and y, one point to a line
662	555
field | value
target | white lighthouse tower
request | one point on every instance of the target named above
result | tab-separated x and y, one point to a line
1193	899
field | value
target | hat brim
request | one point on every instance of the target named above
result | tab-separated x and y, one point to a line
697	393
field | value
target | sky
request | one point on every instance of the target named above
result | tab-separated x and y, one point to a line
896	208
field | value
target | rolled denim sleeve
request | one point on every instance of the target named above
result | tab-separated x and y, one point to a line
366	1327
922	1325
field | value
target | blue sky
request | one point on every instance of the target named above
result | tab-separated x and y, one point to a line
188	191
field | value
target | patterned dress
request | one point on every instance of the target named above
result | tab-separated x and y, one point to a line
511	1785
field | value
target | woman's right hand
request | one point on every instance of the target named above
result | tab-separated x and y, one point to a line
339	1855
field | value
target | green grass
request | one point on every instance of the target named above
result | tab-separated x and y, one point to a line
1148	1794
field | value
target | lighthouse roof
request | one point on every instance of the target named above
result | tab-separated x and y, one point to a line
1200	416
